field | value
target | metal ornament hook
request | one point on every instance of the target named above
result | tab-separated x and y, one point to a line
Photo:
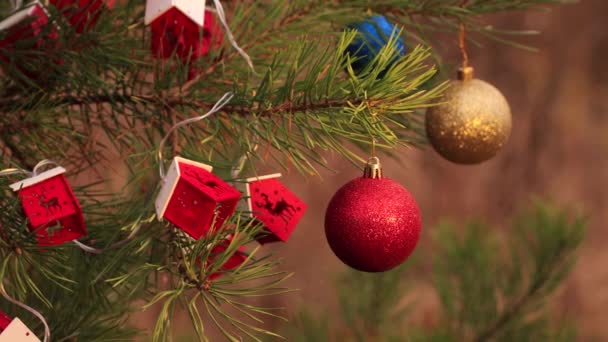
373	168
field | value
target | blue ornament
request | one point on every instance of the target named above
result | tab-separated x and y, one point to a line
374	33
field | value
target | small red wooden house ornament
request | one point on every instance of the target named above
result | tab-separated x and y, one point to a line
52	209
82	14
176	27
194	199
4	321
235	260
28	30
24	30
15	331
273	204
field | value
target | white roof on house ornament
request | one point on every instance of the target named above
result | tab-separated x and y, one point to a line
19	16
193	9
18	332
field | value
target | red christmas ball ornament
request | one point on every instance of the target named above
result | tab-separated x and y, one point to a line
372	223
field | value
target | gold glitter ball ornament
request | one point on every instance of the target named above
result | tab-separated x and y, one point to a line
472	123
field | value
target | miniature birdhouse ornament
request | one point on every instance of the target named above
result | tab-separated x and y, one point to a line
24	33
21	27
52	210
194	199
13	330
82	14
193	9
4	321
273	204
234	261
176	27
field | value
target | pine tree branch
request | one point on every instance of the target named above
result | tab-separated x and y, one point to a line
509	314
175	101
6	138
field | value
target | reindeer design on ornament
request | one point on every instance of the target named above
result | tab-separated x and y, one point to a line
280	208
51	205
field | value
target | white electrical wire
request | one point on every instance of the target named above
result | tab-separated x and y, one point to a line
115	245
218	105
222	16
16	4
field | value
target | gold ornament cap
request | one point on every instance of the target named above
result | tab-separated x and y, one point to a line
373	168
466	73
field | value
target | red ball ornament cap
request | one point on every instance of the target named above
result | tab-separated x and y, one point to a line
52	210
372	223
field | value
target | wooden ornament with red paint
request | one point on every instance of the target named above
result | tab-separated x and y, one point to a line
4	321
28	30
82	14
52	210
15	330
274	205
194	199
234	261
176	27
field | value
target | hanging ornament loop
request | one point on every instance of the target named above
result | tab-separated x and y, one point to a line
222	16
218	105
135	228
465	72
47	330
35	171
373	168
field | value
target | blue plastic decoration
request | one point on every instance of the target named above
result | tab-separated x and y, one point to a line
374	33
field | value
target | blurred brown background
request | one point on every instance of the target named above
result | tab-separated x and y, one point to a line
558	150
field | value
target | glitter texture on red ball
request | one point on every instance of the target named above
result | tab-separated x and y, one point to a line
373	224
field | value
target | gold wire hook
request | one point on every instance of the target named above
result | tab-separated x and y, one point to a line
462	33
373	114
462	45
373	147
